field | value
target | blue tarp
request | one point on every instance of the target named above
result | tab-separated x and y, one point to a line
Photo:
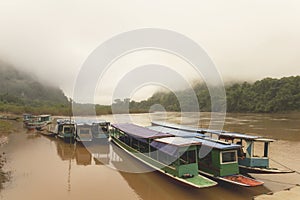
171	145
139	131
166	148
176	132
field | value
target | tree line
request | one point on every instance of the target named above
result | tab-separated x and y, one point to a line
20	93
268	95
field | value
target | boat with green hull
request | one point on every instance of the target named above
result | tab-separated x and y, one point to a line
217	159
37	122
175	157
66	130
247	161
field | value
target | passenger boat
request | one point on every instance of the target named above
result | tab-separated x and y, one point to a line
36	121
175	157
65	129
88	130
84	132
248	162
100	129
217	159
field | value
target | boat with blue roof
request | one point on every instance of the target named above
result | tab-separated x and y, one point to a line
217	159
247	160
176	157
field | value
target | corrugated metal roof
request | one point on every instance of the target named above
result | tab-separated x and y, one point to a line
139	131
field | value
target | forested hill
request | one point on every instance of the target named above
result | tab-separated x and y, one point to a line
20	89
267	95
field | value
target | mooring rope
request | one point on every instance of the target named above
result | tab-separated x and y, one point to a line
285	166
265	179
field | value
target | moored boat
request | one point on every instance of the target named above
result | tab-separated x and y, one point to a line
100	130
217	159
65	129
175	157
84	132
37	122
248	162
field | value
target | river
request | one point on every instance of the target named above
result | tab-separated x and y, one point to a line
47	168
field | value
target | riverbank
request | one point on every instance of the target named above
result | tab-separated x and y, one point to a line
7	126
288	194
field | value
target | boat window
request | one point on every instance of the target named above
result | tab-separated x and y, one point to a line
84	131
188	157
228	157
144	148
135	143
68	129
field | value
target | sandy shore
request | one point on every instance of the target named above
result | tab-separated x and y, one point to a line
289	194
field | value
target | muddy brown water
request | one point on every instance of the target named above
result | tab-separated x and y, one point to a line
47	168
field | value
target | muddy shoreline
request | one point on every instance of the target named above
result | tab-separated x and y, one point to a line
8	125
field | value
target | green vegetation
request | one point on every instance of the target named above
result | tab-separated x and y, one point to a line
20	93
264	96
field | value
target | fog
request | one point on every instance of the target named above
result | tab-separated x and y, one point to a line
247	40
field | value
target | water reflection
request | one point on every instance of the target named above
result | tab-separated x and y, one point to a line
151	185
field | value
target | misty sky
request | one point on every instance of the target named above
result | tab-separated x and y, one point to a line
247	40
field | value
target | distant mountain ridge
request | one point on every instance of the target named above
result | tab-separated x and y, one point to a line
19	88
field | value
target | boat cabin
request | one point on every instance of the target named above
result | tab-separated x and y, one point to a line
45	118
249	155
66	131
100	129
218	158
215	157
84	132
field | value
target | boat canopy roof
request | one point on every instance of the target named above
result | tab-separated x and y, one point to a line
44	115
139	131
217	144
172	145
177	126
219	133
178	141
176	132
64	121
90	121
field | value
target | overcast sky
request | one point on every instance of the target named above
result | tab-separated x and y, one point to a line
246	39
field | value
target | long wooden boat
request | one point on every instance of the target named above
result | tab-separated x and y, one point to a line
217	159
248	162
175	157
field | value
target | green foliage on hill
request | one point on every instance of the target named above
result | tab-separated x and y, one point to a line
264	96
20	93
